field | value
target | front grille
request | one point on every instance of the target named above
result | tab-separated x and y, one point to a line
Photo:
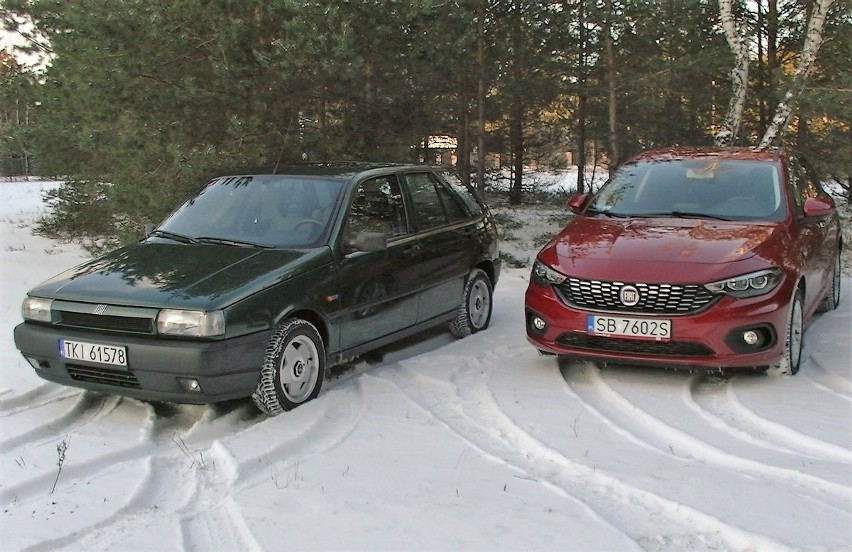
634	346
106	322
105	376
666	299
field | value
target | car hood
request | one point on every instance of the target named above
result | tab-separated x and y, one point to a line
179	276
660	249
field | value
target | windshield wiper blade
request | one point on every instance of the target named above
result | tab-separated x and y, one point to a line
689	214
606	213
172	236
683	214
228	241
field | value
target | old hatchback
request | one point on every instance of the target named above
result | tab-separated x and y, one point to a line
260	281
708	259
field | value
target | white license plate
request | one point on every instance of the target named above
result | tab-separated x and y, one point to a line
93	352
619	326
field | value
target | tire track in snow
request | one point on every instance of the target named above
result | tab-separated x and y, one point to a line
586	382
718	400
85	409
468	409
827	381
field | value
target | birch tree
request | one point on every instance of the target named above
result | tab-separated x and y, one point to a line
730	128
813	40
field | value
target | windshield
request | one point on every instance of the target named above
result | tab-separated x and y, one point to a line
705	188
264	211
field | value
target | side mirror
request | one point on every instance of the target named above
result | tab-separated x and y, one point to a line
149	227
578	202
370	241
818	206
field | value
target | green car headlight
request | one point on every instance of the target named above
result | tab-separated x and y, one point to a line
36	309
190	323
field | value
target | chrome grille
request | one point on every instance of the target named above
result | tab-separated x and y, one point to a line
665	299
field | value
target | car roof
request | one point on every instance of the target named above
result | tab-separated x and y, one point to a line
734	153
338	169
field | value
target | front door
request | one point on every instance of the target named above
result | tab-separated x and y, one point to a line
378	289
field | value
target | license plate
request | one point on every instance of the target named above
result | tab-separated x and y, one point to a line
93	352
618	326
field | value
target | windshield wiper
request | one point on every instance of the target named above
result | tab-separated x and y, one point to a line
682	214
172	236
227	241
606	213
689	214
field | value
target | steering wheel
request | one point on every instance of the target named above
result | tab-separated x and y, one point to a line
303	222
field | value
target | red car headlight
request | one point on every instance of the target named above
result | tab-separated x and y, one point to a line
748	285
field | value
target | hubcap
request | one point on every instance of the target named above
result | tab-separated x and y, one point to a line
479	304
299	369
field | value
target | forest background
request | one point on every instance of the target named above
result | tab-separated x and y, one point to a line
134	103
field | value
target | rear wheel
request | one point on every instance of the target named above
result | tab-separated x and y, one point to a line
293	368
832	297
474	312
789	363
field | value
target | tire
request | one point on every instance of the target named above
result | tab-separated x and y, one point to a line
789	363
832	297
293	368
474	312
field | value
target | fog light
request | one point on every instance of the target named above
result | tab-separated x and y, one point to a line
38	365
190	385
538	323
751	337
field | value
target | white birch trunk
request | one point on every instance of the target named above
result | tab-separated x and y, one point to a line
813	40
739	76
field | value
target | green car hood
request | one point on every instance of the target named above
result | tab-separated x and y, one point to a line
180	276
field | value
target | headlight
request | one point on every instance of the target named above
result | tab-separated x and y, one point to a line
748	285
188	323
543	275
36	309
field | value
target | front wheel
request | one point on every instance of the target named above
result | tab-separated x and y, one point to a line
293	368
474	312
789	363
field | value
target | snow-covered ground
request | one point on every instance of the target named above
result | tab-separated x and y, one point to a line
477	444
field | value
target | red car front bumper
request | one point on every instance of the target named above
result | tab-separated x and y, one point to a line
709	339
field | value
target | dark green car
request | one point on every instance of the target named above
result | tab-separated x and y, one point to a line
259	281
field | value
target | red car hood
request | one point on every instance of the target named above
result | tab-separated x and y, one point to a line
661	249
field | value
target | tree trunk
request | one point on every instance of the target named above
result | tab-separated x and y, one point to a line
813	40
581	102
730	128
463	143
614	138
480	96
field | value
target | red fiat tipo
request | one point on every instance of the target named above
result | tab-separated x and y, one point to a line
704	259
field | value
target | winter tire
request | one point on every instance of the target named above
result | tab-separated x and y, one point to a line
789	363
474	312
293	368
832	298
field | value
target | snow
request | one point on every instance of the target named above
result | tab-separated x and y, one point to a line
443	444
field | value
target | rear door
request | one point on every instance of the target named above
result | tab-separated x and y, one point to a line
378	289
447	231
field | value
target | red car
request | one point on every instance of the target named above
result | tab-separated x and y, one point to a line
705	259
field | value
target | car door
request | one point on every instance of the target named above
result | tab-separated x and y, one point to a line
812	235
378	288
446	232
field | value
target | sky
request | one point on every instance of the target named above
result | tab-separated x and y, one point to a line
441	444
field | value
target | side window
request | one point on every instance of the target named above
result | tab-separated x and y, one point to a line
463	191
798	184
428	209
377	207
